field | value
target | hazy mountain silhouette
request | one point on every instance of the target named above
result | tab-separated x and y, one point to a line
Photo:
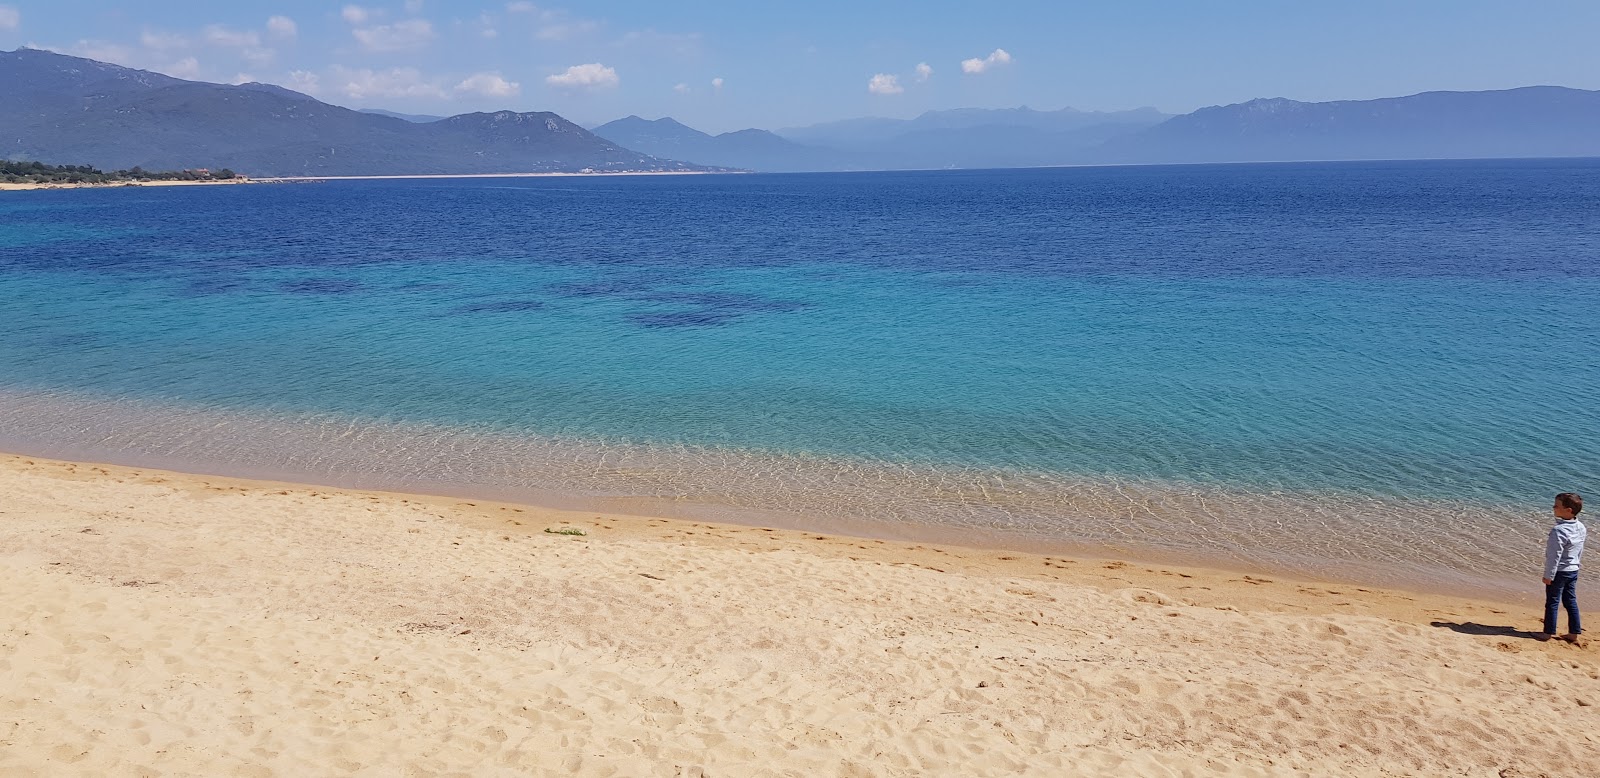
748	149
419	118
64	109
1536	121
873	133
975	137
963	138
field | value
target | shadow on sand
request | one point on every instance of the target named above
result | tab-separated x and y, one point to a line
1471	628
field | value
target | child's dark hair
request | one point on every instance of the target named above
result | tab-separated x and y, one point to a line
1571	501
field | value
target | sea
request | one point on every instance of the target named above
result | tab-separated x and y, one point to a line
1373	372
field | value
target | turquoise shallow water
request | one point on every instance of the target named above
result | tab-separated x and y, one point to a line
1383	369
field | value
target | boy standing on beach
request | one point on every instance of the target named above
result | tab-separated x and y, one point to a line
1563	552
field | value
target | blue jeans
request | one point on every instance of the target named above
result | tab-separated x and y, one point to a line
1562	590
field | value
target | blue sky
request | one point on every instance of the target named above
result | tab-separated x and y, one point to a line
722	65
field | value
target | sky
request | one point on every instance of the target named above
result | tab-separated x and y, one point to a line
721	65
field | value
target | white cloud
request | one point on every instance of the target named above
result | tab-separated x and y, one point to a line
681	89
282	28
413	6
996	58
188	68
242	78
10	18
716	83
304	81
400	36
924	71
521	7
489	84
884	84
355	14
364	83
591	76
156	39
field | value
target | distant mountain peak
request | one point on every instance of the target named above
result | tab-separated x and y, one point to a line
71	110
1521	122
635	119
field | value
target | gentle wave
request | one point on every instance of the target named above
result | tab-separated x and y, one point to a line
1485	549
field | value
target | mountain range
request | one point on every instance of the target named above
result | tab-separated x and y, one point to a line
747	149
1534	121
59	108
69	110
962	138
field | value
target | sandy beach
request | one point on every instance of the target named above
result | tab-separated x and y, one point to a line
165	624
5	187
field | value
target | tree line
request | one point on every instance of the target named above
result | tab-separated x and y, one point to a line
40	173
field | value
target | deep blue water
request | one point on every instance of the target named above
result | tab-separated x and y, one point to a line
1423	330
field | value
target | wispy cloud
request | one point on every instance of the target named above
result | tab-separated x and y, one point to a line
488	84
10	18
188	67
677	44
405	35
487	24
246	42
996	58
219	35
591	76
304	81
924	71
884	84
681	89
716	83
521	7
364	83
282	28
561	31
355	14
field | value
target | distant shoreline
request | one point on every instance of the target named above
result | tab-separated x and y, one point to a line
5	187
404	176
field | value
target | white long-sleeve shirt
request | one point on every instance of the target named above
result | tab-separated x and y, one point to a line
1563	550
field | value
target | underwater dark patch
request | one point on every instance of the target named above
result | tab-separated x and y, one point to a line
682	319
206	287
319	286
504	306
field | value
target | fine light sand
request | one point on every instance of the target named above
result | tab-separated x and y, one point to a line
161	624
